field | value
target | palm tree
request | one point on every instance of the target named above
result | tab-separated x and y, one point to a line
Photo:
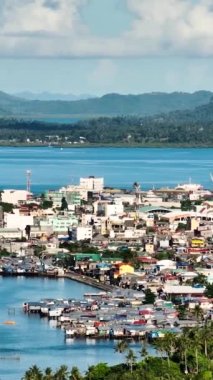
206	336
198	313
48	374
143	352
166	345
75	374
197	343
34	373
131	359
183	344
159	344
121	346
61	373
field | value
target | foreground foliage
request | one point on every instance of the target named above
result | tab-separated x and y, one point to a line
188	356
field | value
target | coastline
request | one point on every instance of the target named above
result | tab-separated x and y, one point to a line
106	145
71	276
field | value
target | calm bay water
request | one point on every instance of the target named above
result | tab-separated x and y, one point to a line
121	167
33	339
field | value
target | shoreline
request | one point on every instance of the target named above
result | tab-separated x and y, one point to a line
70	276
108	145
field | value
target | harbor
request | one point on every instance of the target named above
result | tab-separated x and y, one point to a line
86	266
37	340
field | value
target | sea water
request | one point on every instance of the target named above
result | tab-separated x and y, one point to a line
121	167
34	340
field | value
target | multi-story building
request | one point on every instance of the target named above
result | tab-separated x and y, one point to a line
15	196
60	223
92	183
82	233
73	197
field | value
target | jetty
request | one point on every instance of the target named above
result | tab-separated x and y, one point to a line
88	281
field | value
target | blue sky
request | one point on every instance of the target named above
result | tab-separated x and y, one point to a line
102	46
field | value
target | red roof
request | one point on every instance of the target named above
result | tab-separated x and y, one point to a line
147	260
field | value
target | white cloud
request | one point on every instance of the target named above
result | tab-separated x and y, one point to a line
54	28
183	27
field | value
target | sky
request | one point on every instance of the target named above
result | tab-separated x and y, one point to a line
102	46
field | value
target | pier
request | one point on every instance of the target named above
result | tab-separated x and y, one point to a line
89	281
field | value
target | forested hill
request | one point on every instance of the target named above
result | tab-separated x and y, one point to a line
108	105
193	128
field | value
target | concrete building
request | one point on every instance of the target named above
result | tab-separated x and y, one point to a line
16	220
15	196
59	223
73	197
92	183
114	209
10	233
82	233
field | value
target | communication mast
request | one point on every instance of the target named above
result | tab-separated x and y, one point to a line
28	175
136	187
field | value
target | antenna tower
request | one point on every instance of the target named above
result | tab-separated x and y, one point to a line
28	175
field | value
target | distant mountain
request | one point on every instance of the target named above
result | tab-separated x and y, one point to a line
46	96
182	128
107	105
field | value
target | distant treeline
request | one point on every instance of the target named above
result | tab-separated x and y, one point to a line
180	127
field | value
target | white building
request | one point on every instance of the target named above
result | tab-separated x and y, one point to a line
15	196
92	183
10	233
114	209
81	233
16	220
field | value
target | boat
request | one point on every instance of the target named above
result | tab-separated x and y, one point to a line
9	323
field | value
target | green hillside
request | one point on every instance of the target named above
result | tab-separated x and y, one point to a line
191	128
107	105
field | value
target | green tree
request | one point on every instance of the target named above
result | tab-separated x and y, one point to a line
186	205
200	279
48	374
131	359
64	204
97	372
34	373
46	204
209	290
61	373
75	374
183	345
149	297
121	346
198	313
7	207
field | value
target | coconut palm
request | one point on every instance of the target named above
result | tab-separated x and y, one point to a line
61	373
198	313
195	335
75	374
143	352
34	373
121	346
183	345
48	374
206	335
131	359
